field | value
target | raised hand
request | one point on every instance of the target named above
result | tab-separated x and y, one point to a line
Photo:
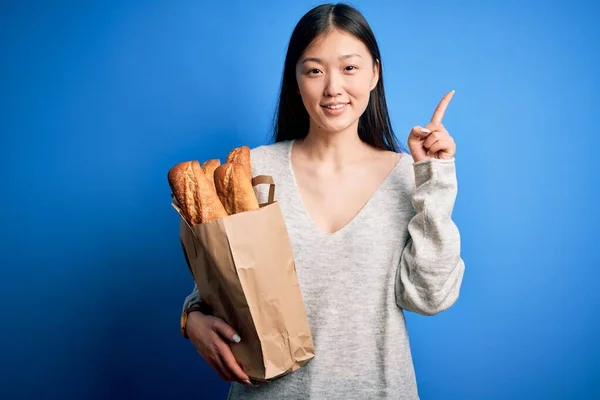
433	140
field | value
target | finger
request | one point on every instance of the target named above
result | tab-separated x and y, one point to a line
224	371
219	370
230	362
433	138
214	365
438	114
441	145
225	330
419	132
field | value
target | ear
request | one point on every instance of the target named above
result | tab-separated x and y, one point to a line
375	79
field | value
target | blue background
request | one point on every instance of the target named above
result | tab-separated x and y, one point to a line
99	100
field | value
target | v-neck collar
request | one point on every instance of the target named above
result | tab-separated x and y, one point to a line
355	219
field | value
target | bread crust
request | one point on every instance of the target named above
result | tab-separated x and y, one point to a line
213	190
209	170
234	188
195	195
241	155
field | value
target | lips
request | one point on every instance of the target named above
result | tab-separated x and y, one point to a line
335	106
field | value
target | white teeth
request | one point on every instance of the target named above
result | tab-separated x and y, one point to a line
336	106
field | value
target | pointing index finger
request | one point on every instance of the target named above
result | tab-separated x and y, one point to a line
438	114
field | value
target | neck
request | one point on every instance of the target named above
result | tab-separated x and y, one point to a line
336	148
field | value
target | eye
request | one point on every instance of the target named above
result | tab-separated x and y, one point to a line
351	68
313	71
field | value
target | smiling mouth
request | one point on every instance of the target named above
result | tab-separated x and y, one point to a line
336	106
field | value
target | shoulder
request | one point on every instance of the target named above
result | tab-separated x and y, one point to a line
405	163
403	174
271	160
268	157
268	150
406	158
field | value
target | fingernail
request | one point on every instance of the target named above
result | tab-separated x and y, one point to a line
247	382
236	338
423	130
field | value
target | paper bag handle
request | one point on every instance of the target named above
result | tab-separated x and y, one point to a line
265	180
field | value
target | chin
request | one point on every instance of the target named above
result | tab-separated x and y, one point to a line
335	125
337	129
338	126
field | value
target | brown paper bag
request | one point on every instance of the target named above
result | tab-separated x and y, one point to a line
244	268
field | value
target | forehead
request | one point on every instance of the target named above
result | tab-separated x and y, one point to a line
334	44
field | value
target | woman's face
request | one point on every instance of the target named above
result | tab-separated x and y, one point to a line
335	76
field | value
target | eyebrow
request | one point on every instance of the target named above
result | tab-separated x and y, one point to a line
315	59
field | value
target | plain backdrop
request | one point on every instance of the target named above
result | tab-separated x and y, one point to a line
99	99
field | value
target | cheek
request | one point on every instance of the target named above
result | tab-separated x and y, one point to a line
308	91
360	89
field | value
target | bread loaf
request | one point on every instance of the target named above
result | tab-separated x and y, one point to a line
209	170
196	196
234	188
241	155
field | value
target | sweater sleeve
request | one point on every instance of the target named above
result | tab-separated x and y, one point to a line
431	270
192	298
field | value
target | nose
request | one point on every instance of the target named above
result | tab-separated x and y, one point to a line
333	85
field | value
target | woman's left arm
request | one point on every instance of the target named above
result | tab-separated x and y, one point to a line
431	269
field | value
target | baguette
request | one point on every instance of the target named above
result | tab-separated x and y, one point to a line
196	197
234	188
241	155
209	170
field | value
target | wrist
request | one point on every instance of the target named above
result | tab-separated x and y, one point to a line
200	308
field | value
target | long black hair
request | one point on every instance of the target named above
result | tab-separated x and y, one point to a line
291	120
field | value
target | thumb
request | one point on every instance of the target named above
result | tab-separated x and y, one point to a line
225	330
418	132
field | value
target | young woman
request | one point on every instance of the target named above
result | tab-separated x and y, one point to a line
370	224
